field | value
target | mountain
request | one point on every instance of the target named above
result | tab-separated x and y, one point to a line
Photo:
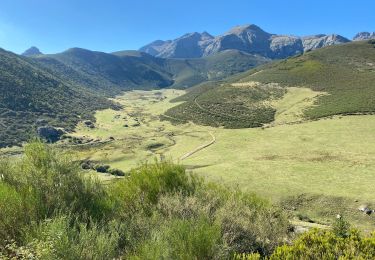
321	40
341	75
364	36
111	73
247	38
190	45
30	94
107	73
33	51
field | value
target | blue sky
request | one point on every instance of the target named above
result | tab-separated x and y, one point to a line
109	25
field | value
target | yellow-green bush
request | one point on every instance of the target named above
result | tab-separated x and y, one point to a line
15	213
323	244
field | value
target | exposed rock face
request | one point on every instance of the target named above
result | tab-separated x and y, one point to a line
155	47
247	38
190	45
49	133
362	36
321	40
33	51
285	46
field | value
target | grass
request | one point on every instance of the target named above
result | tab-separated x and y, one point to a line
330	161
291	107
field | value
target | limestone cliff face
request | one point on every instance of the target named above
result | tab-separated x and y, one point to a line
247	38
364	36
321	40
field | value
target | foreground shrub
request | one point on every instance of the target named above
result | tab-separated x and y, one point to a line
55	183
66	238
249	225
182	239
15	213
323	244
146	184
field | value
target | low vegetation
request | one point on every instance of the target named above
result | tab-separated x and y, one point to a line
228	106
58	212
158	212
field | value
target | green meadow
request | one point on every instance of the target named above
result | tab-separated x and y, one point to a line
314	169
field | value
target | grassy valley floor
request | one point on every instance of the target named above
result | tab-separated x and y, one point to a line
315	170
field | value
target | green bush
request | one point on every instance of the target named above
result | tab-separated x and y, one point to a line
323	244
55	182
102	168
182	239
16	212
249	225
66	238
147	183
116	172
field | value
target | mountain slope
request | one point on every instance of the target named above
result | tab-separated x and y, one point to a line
30	94
346	73
247	38
107	73
189	72
110	74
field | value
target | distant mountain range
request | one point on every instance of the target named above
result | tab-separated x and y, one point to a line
247	38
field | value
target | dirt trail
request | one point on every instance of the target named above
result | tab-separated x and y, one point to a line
199	148
308	225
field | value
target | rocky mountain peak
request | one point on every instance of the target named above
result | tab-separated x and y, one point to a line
364	36
32	51
245	28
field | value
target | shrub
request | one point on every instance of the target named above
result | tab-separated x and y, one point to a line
66	238
182	239
116	172
102	168
250	225
55	182
323	244
341	227
146	184
15	213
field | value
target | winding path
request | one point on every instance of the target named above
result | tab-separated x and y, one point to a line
199	148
